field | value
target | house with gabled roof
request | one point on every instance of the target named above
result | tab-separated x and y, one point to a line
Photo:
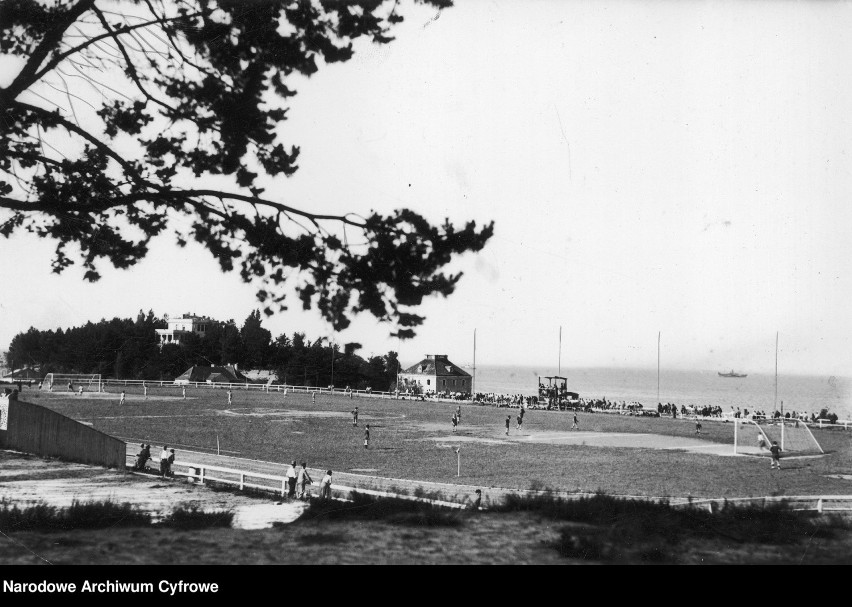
222	374
435	373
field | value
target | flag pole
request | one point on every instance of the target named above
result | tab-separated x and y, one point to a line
658	366
473	382
775	402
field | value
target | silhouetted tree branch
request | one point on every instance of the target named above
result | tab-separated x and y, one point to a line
120	112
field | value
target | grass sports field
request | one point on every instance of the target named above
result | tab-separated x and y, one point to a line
619	455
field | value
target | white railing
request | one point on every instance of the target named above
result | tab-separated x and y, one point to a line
248	386
827	423
812	503
240	478
202	474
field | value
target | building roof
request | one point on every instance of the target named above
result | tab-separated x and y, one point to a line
437	364
218	374
25	373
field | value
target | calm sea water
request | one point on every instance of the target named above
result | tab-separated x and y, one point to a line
756	392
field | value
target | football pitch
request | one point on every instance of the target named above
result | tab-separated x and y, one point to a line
414	441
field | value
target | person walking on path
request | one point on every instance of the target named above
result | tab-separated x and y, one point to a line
576	423
303	480
164	461
121	399
508	419
355	417
230	397
325	486
776	455
367	437
291	480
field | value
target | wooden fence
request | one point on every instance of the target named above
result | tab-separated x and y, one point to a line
34	429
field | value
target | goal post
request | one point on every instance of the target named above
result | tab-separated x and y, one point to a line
754	437
60	382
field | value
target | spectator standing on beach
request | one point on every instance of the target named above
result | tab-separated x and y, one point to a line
325	486
303	480
367	437
508	420
355	417
121	400
291	480
776	455
576	423
164	461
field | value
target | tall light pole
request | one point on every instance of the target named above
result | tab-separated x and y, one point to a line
775	402
559	372
473	382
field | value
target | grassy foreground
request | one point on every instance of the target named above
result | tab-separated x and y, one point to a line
600	529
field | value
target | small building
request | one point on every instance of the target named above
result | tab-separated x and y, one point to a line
25	374
182	325
435	373
201	374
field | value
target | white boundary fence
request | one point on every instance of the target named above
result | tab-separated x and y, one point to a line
242	479
270	388
246	479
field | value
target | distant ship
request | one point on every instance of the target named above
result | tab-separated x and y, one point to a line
732	374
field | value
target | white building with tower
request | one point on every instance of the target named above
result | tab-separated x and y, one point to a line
180	326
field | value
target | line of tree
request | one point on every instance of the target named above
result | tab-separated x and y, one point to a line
123	348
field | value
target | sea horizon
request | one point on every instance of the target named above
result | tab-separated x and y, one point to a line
799	392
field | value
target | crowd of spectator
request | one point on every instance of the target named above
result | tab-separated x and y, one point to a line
552	400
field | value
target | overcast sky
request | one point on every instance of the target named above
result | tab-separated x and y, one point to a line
650	167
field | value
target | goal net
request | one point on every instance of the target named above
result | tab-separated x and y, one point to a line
72	382
755	437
